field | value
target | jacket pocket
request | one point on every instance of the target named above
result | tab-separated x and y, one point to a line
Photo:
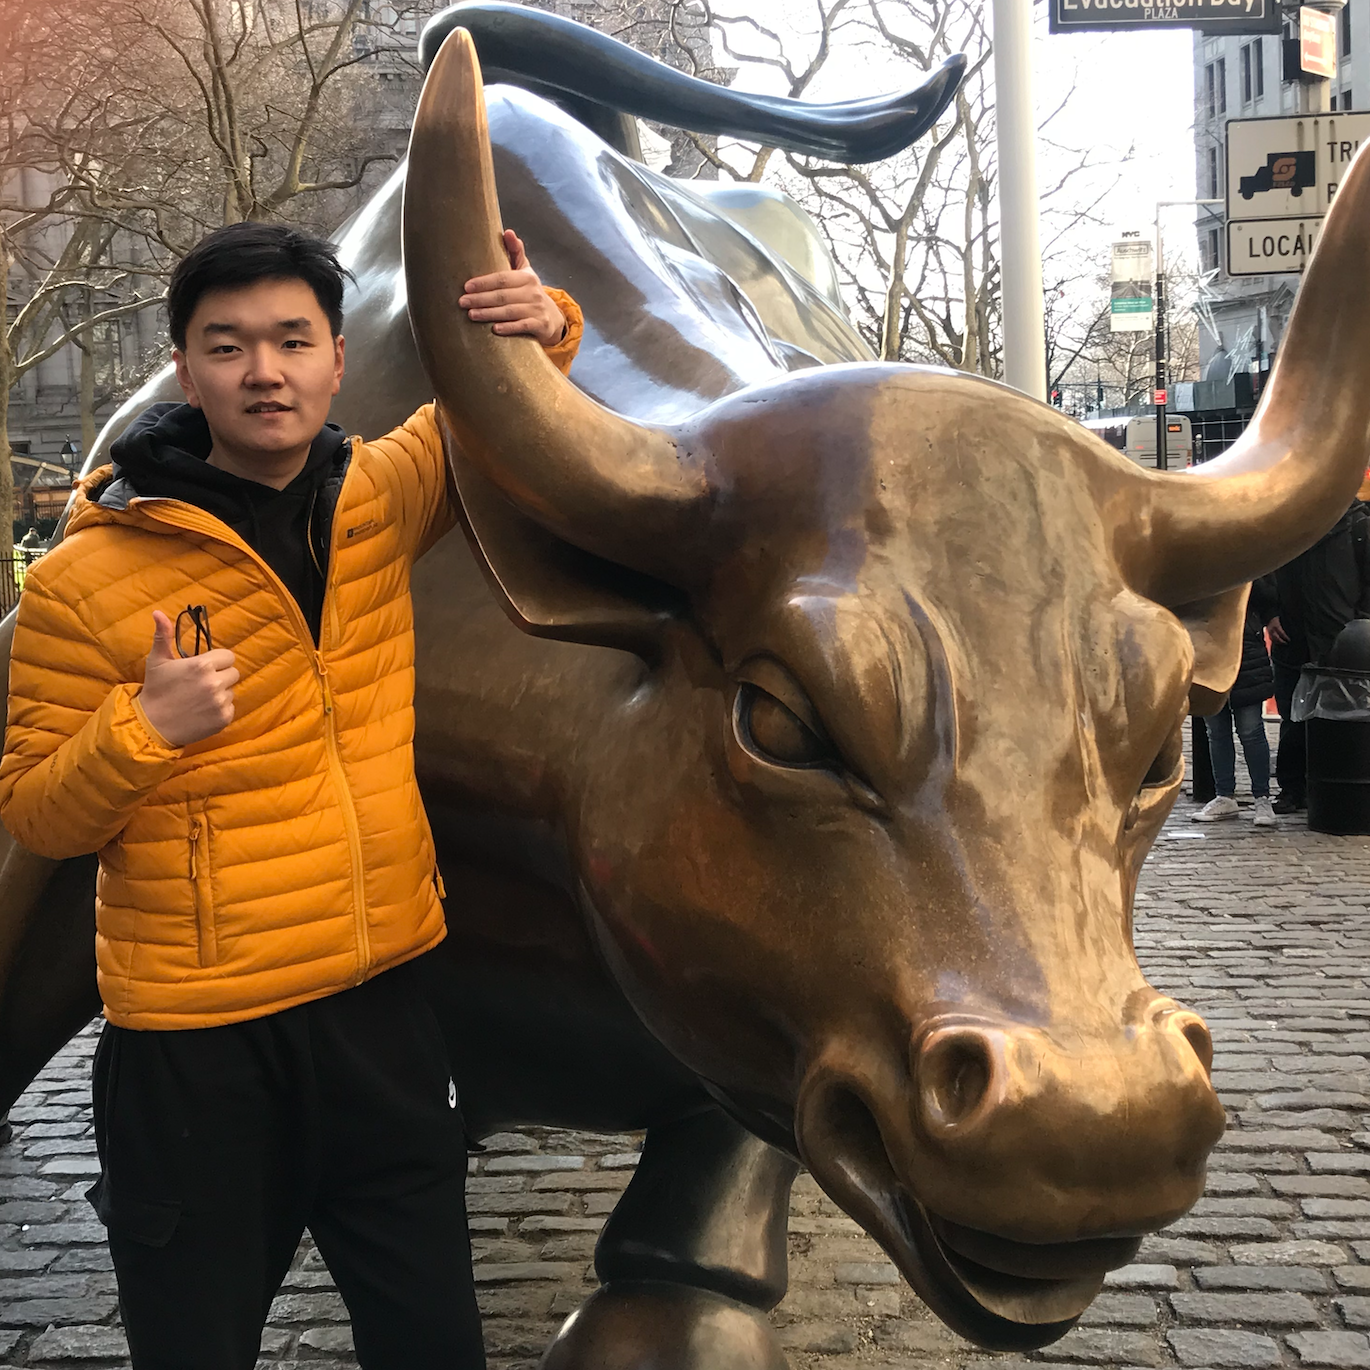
202	889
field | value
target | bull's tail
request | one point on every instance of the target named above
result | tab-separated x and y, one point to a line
580	68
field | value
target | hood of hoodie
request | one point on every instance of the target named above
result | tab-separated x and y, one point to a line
1354	512
163	454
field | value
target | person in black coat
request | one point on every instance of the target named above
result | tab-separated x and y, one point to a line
1254	683
1305	604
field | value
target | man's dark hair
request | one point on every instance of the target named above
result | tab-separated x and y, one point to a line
241	254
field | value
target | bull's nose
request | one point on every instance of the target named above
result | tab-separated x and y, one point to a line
967	1071
1119	1111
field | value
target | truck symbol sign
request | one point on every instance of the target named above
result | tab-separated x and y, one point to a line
1290	171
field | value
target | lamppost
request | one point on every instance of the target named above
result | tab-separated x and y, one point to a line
69	450
1161	395
1015	122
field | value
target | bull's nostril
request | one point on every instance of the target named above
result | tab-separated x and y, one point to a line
1195	1031
954	1077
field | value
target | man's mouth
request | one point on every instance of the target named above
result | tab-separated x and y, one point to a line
268	407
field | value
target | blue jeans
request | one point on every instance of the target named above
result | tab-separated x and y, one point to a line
1255	747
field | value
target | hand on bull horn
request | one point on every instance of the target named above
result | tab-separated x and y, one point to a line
513	301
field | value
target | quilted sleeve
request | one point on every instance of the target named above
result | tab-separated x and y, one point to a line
80	755
415	451
563	353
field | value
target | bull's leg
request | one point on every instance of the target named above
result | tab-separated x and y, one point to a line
691	1259
47	961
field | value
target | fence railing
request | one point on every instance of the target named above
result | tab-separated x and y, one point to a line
13	569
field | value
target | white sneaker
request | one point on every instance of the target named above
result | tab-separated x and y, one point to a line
1216	809
1263	815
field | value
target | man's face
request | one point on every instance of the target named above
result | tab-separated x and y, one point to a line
261	363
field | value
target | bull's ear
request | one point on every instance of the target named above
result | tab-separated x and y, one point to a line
550	588
1215	628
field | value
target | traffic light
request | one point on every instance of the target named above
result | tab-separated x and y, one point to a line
1056	397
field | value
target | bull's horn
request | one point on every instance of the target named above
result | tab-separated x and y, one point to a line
1298	465
554	56
611	486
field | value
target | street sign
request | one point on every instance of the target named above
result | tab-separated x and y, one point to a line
1317	42
1264	247
1211	16
1131	307
1160	398
1282	174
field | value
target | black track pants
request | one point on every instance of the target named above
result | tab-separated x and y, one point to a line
219	1146
1291	756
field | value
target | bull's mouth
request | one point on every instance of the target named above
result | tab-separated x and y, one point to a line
1035	1287
1002	1294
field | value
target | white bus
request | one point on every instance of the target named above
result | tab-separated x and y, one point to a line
1136	438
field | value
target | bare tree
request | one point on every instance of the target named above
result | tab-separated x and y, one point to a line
916	236
1087	356
131	127
60	274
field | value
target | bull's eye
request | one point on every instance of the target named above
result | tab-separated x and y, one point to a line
775	733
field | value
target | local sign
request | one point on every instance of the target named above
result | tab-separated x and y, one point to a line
1212	16
1282	174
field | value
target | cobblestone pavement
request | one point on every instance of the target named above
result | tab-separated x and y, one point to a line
1266	932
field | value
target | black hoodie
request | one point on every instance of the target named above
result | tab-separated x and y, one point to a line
162	455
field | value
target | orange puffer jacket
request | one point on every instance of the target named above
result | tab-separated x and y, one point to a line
288	856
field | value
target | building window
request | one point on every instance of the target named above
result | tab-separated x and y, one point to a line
1214	176
1215	87
1211	250
1346	99
1334	102
1253	73
1345	32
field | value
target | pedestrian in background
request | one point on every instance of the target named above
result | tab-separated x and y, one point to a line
1305	604
1243	711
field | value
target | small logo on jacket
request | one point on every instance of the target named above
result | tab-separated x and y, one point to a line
451	1094
361	528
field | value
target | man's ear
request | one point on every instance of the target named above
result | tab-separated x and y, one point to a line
183	378
550	588
1215	628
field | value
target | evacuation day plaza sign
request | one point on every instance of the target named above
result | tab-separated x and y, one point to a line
1282	173
1212	16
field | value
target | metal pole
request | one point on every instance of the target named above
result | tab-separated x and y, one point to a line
1162	340
1025	363
1160	397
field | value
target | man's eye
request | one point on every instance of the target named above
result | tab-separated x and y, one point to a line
776	734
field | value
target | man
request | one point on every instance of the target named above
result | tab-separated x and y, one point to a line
268	887
1305	604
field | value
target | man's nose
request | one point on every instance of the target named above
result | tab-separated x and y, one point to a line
264	368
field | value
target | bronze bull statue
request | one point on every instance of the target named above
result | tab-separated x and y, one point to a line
803	817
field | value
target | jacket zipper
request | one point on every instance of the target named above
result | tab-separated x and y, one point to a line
202	892
316	658
349	810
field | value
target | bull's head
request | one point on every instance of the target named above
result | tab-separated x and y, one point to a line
917	655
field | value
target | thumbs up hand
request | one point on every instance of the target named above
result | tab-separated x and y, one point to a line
186	699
